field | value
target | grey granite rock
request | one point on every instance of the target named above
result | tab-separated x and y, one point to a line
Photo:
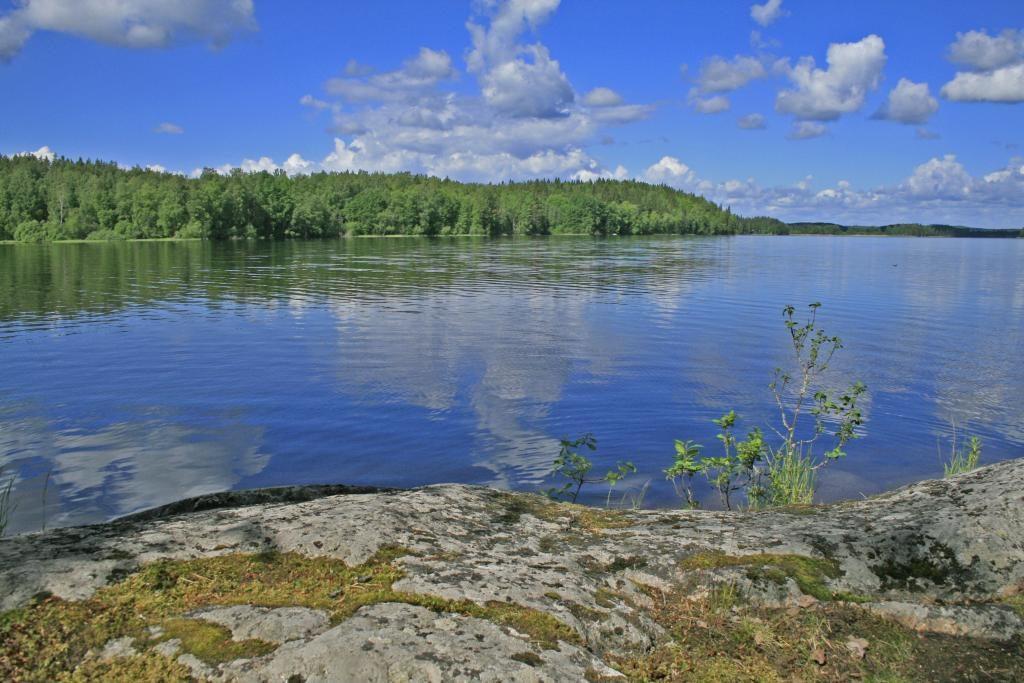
936	556
396	642
278	625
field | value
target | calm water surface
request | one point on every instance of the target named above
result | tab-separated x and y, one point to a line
135	374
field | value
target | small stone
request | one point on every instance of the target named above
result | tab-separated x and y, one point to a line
168	648
117	648
857	647
805	601
818	656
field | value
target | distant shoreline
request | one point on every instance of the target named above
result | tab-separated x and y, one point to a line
997	234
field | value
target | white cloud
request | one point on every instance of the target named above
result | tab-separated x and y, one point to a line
43	152
752	122
767	13
940	178
314	103
940	190
1004	85
588	176
718	74
518	80
127	23
534	88
996	66
708	105
156	168
908	102
623	113
416	77
805	130
169	129
980	51
602	97
525	121
853	70
671	171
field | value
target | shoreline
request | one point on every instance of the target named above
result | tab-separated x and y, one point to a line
529	589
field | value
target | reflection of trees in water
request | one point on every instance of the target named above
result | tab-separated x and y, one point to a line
67	280
120	468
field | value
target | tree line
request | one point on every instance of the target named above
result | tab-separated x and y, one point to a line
44	200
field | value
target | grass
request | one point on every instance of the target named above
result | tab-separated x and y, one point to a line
52	639
792	479
962	459
591	519
211	642
720	638
811	574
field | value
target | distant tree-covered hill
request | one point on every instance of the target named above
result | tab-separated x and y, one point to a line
43	200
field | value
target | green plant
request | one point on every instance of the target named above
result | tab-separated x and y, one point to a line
786	473
686	465
576	467
962	459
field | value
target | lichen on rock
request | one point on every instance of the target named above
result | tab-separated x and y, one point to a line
455	581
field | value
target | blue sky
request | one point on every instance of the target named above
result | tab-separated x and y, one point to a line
866	112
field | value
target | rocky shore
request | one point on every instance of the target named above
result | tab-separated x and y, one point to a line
457	582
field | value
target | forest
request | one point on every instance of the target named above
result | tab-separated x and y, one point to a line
43	200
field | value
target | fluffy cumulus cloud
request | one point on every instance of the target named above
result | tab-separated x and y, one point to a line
517	79
715	104
854	69
524	120
752	122
602	97
908	102
43	152
671	171
126	23
167	128
939	190
767	13
416	77
805	130
719	75
995	67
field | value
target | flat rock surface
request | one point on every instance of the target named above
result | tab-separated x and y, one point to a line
938	554
274	625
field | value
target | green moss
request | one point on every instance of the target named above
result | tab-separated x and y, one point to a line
924	559
605	598
212	643
719	638
1016	602
514	505
622	563
52	638
147	666
810	574
527	657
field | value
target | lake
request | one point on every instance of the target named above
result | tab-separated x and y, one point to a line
134	374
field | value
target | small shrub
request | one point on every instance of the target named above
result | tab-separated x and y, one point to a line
574	466
784	474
